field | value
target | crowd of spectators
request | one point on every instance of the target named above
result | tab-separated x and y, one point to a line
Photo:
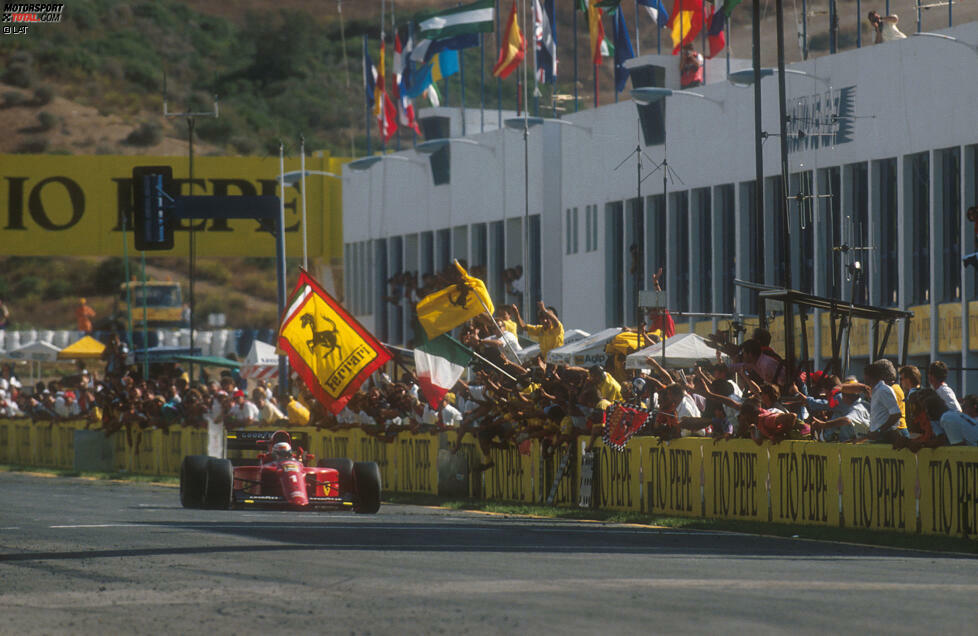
504	401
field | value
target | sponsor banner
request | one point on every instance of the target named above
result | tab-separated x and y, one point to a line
56	205
949	328
973	325
672	475
512	476
878	487
805	483
615	482
948	491
735	479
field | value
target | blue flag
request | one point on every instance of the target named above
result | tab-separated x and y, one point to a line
656	10
623	50
369	83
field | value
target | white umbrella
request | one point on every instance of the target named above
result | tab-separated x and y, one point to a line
586	351
571	335
261	363
37	350
683	351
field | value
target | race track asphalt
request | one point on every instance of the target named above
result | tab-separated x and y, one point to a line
86	557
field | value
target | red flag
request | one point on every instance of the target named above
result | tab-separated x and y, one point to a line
685	22
387	119
512	49
405	108
715	35
622	423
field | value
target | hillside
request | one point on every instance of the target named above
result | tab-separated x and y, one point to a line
93	83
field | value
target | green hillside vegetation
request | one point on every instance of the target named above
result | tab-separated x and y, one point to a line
41	292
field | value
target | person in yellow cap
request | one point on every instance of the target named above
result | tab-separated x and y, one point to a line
84	315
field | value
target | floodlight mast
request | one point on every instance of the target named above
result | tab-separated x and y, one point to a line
191	117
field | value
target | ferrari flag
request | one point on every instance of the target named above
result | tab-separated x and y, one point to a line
327	347
446	309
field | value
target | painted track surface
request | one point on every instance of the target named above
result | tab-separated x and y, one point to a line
84	557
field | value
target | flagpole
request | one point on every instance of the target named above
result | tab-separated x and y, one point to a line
482	82
638	40
526	183
704	46
614	31
302	185
658	36
552	19
576	105
366	108
461	84
499	82
383	76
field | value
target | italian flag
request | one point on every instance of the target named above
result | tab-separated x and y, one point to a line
438	364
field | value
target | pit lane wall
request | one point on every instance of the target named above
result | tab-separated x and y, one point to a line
803	483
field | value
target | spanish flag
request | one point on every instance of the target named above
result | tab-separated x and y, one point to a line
685	22
327	347
513	48
446	309
596	32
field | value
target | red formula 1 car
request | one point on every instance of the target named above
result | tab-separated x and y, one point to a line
278	478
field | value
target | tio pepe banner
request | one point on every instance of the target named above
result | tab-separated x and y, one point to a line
74	205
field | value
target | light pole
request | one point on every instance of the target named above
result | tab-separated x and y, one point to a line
648	95
191	117
524	124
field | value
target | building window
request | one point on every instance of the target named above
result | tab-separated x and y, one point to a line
570	230
703	260
614	263
948	215
774	196
830	233
591	228
753	243
725	246
801	211
857	236
916	193
678	288
885	186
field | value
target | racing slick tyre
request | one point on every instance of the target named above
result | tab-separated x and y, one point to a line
193	478
367	475
345	468
220	480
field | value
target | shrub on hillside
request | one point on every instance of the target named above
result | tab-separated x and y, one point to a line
109	274
27	286
14	98
47	121
57	288
215	271
18	75
33	146
146	134
43	95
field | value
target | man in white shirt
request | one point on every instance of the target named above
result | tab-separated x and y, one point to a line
268	413
884	411
243	412
936	376
961	427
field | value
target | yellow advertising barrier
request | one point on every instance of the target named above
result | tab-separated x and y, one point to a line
805	483
617	481
878	487
73	205
673	475
805	486
735	480
949	491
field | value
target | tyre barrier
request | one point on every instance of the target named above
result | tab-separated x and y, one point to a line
871	486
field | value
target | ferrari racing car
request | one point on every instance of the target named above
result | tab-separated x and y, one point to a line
280	477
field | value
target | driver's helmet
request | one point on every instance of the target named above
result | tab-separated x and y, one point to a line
281	450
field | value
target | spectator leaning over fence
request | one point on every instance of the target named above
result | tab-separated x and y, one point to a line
884	411
852	421
961	427
549	333
268	413
909	382
936	377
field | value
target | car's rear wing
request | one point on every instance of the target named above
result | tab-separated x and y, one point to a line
255	440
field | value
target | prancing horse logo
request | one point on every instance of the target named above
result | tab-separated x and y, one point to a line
326	338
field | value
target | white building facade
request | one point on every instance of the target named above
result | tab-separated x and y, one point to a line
883	156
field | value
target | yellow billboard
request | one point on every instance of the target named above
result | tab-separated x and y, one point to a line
75	205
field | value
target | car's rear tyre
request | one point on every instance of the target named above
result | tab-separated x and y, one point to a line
367	476
345	468
219	484
193	479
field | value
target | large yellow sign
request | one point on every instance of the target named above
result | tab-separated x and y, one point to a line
75	205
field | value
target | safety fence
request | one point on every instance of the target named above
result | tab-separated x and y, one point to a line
869	486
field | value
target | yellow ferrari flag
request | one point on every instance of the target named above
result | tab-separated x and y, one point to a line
327	347
446	309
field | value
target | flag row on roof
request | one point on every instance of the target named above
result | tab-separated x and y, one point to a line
427	47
